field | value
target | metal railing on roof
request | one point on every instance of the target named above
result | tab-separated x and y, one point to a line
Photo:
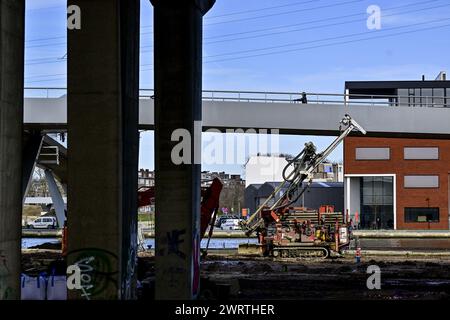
281	97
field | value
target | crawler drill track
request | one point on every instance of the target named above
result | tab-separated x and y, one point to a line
300	252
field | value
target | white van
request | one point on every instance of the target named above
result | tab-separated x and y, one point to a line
230	224
44	223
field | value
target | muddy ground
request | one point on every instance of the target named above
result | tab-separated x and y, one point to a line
332	278
242	277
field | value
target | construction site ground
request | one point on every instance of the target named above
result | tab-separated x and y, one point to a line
340	278
237	277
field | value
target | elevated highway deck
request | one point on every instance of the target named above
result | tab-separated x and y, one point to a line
229	110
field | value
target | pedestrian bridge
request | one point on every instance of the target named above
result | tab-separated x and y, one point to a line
46	109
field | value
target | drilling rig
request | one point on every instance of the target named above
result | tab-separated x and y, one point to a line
287	231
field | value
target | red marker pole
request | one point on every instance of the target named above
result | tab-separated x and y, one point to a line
358	255
336	235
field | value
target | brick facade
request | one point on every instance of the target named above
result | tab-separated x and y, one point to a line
406	197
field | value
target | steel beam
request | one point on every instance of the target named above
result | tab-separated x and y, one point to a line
57	199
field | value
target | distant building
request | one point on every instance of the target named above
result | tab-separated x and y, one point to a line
251	197
260	169
227	179
146	178
319	193
329	172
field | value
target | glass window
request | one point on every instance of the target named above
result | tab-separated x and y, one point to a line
387	191
372	154
377	210
421	181
378	186
403	97
419	101
403	101
402	92
421	153
447	104
438	97
368	200
421	214
411	97
427	92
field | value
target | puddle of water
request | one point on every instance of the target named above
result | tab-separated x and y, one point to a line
216	243
31	242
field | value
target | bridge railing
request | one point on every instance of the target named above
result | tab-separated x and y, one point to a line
324	98
280	97
37	92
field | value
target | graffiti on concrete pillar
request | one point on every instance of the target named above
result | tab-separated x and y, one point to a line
174	240
98	272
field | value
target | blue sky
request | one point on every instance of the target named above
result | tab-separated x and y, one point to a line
316	46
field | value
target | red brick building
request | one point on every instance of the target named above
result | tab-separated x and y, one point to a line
399	183
402	182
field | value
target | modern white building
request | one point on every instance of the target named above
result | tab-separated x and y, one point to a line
261	169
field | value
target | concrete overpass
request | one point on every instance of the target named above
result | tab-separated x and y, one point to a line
272	110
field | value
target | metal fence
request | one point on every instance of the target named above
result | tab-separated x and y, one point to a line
278	97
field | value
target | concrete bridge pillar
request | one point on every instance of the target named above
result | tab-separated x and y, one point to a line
12	41
103	144
178	92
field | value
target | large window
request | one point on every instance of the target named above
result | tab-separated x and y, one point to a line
372	154
421	181
403	97
447	103
377	203
421	214
424	97
438	97
421	153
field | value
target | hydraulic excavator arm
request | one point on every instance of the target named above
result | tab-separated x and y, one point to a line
298	170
